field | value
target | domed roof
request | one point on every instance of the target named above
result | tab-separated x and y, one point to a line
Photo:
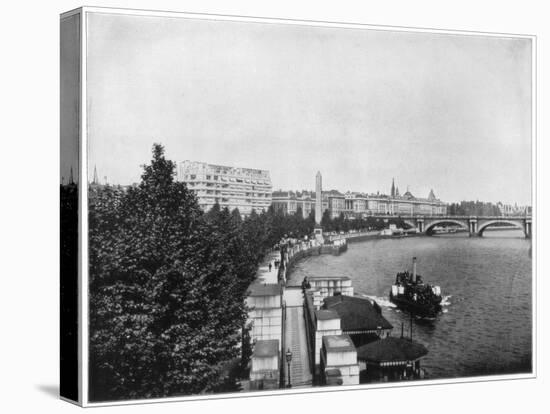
408	195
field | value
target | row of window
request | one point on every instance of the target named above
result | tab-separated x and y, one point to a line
230	202
202	192
201	184
187	177
363	208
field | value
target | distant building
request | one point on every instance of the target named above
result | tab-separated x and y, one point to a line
244	188
396	205
289	202
336	203
513	210
354	204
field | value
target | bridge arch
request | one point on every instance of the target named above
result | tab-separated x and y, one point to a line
481	227
429	226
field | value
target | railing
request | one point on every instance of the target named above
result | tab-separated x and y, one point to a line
448	216
310	337
353	235
283	347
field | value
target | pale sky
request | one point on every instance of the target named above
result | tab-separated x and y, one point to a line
448	112
69	60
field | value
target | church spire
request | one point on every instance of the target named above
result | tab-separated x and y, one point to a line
392	191
95	181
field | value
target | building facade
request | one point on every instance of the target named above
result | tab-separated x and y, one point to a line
514	210
336	203
289	202
246	189
359	204
354	204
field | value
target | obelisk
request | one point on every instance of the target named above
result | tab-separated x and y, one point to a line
318	206
318	198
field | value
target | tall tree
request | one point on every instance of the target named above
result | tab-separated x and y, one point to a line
166	298
326	221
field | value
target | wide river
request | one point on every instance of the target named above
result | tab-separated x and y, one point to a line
486	324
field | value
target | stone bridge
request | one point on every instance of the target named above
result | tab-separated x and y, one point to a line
475	225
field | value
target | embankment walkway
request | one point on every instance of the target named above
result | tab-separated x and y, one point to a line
296	341
294	328
264	275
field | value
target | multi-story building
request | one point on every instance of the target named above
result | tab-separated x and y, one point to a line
336	203
513	210
246	189
353	204
289	202
358	204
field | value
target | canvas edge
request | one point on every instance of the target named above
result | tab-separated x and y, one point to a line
83	198
79	401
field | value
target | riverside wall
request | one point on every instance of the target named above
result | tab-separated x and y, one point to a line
305	249
358	237
338	244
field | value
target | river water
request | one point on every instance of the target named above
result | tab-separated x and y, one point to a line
486	324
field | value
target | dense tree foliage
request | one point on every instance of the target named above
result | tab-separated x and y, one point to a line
345	224
167	288
473	208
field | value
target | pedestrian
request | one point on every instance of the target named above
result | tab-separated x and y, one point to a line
269	266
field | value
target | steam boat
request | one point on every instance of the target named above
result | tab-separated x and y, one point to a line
411	294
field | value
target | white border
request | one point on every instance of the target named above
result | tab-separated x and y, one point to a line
534	201
81	163
83	392
83	328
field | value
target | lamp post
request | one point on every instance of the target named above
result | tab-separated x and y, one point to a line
288	359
